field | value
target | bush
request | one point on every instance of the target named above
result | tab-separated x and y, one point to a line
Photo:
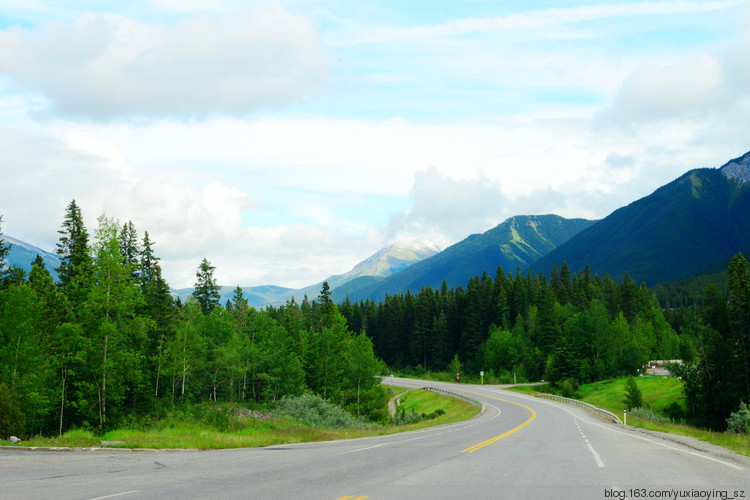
315	411
675	411
648	414
739	421
403	418
568	388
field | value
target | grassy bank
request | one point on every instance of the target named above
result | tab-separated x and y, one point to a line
664	396
238	431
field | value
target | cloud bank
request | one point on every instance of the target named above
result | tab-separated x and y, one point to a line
105	66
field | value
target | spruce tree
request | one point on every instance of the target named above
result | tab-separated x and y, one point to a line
633	396
739	325
129	247
75	260
206	290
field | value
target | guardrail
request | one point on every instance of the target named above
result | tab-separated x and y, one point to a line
598	411
463	397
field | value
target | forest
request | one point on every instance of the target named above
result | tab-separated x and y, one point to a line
108	344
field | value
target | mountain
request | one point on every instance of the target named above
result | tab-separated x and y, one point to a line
23	254
517	242
691	223
381	264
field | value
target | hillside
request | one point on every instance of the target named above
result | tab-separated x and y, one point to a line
517	242
23	254
684	226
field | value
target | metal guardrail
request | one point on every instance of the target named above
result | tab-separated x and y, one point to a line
599	411
463	397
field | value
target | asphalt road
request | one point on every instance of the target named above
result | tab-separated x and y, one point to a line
520	447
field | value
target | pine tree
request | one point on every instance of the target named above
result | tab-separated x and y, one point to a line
206	290
739	324
129	247
326	308
633	396
147	261
74	272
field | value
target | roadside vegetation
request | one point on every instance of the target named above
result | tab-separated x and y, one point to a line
294	419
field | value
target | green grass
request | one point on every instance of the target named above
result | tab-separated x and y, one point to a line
658	393
252	432
421	401
738	443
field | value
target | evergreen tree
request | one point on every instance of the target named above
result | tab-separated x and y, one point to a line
633	396
74	272
206	290
129	247
738	309
326	309
146	261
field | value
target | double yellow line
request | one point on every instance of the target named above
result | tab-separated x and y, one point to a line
508	433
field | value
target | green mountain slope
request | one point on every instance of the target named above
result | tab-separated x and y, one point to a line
686	225
518	241
23	254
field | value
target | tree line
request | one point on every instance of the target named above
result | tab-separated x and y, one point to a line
108	344
719	379
570	329
581	326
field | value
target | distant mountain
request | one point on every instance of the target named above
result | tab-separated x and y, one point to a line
22	254
686	225
517	242
383	263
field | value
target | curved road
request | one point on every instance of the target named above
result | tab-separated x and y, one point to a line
521	447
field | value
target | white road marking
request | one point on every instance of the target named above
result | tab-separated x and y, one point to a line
115	495
663	445
596	455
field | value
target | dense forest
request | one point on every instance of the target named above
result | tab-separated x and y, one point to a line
581	327
108	343
570	330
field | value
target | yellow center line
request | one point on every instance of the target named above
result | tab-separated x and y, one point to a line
497	438
352	497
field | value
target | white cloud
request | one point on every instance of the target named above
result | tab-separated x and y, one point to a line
541	19
105	67
694	88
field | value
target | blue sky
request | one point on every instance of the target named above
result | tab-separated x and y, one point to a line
286	141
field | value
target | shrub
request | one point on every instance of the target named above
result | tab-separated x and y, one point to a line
739	421
675	411
568	388
648	414
315	411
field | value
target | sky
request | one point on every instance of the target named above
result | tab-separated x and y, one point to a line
286	141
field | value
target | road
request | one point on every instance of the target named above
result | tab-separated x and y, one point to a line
520	447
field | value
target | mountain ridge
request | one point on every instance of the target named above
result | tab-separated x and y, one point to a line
516	242
701	217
